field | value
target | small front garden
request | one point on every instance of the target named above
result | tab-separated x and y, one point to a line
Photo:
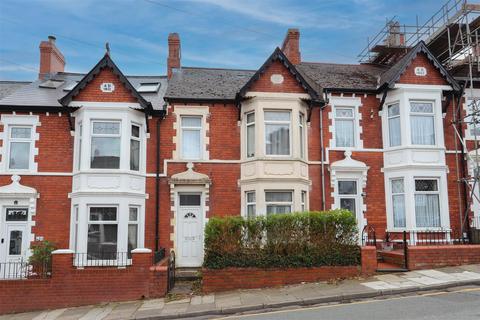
309	239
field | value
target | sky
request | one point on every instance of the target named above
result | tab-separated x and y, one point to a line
238	34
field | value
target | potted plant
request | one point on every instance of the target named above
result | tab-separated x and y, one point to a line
41	259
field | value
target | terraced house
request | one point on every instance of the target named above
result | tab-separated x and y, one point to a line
104	163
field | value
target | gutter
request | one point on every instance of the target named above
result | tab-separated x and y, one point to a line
157	186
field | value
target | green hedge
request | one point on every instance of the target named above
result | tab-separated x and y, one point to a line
305	239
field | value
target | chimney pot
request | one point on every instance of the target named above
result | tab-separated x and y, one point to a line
52	39
291	46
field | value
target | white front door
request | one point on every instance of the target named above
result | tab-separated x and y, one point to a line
350	199
189	230
13	241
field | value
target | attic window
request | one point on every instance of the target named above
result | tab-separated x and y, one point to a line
149	87
70	86
51	84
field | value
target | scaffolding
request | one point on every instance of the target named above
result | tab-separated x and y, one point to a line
452	34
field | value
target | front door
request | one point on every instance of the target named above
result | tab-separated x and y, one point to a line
189	230
13	242
350	199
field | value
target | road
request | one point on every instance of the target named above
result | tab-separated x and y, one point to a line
460	304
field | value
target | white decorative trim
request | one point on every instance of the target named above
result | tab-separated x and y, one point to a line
352	102
201	111
7	121
63	251
142	250
423	87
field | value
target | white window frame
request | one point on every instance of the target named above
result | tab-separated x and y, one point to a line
423	114
470	126
399	116
79	145
247	125
136	223
392	194
438	193
99	135
139	139
187	128
352	119
12	140
301	132
251	203
289	122
303	201
280	203
93	262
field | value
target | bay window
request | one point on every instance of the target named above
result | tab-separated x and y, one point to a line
303	203
135	148
422	122
250	134
394	129
102	233
279	201
250	204
277	133
105	152
80	132
427	203
191	127
20	144
398	203
344	127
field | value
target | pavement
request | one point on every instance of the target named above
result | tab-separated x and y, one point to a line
261	300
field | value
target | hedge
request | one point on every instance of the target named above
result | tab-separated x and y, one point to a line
307	239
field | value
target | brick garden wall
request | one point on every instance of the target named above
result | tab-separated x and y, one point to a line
70	286
249	278
427	257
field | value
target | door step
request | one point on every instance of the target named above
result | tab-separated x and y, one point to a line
183	288
187	274
390	267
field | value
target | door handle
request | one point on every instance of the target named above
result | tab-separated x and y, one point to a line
3	240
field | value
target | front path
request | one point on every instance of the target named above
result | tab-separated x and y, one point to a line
264	299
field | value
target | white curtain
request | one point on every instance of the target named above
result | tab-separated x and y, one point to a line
398	210
251	140
394	131
344	136
191	144
427	210
423	132
277	139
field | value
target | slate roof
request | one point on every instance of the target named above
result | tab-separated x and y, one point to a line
342	76
9	87
206	83
32	95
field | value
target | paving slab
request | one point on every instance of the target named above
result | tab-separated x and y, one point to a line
152	304
123	311
74	313
98	313
227	300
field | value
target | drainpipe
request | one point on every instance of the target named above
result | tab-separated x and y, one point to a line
322	156
157	186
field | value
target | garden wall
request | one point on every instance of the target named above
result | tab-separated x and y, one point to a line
69	286
248	278
427	257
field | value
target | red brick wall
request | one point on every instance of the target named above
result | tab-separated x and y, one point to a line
93	93
214	280
70	287
289	85
427	257
433	75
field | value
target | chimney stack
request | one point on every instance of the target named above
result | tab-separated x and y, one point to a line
291	46
51	59
174	54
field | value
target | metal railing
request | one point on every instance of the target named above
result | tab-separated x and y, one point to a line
102	259
369	238
24	270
